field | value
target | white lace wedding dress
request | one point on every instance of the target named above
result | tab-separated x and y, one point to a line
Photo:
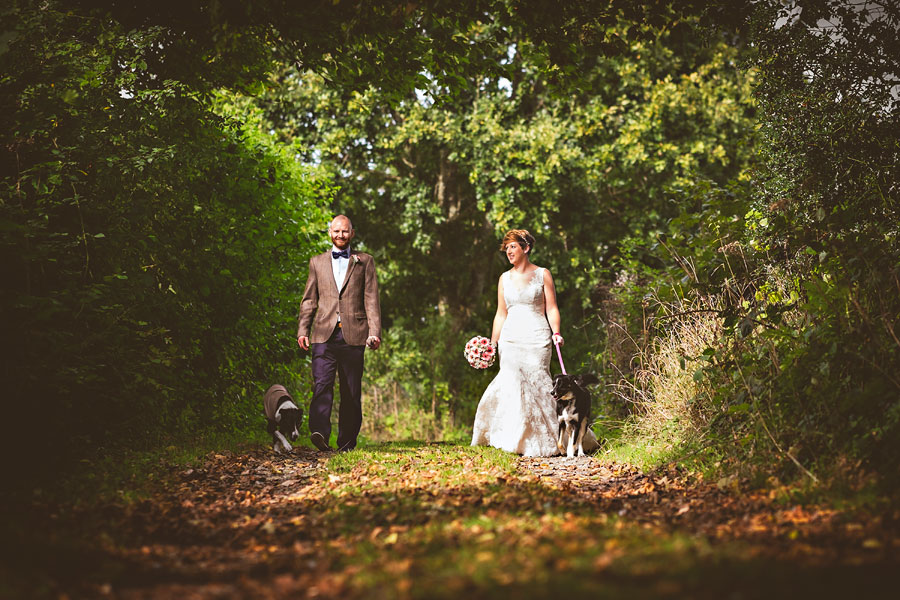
517	412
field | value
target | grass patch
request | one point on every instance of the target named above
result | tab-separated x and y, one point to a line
412	424
630	442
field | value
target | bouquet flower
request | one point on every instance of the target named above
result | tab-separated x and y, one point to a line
480	352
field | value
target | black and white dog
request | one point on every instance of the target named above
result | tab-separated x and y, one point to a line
573	411
283	418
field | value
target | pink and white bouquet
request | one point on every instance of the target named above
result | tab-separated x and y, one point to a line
480	352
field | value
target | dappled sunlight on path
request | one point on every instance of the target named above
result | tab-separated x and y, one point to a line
442	521
723	511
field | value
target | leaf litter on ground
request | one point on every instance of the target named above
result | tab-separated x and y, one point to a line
434	520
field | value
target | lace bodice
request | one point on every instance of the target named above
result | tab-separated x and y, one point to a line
530	294
525	322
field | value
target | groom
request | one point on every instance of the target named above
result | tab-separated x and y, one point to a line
342	294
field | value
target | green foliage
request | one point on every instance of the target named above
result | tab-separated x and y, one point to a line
155	227
146	217
151	242
830	211
396	47
433	181
800	268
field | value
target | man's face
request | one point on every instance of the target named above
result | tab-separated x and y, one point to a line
341	233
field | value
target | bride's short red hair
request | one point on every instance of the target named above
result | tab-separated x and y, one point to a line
520	236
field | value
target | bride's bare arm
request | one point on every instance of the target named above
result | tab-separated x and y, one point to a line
550	303
500	317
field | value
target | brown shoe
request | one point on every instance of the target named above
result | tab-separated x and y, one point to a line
318	440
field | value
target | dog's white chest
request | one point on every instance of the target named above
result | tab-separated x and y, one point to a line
569	414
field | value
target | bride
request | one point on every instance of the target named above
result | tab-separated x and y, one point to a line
517	412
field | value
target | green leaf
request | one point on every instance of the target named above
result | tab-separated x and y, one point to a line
69	96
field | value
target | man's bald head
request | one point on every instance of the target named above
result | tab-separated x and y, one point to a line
343	220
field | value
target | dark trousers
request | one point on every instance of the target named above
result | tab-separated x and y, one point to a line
337	356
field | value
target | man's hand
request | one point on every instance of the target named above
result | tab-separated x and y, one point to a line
303	341
373	342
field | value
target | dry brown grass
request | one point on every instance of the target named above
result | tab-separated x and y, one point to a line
670	408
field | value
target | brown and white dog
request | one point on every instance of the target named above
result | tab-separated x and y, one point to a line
283	418
573	411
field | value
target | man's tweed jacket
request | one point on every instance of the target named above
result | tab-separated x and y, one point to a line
356	301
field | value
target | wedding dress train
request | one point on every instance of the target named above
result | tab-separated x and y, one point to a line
517	412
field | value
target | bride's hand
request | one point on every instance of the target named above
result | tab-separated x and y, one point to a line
558	339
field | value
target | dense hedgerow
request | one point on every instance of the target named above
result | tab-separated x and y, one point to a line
152	246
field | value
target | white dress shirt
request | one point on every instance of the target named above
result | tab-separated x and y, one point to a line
339	268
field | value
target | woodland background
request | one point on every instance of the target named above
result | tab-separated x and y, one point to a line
713	186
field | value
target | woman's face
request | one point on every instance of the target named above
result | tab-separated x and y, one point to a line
515	252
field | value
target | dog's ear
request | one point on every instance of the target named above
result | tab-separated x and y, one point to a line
270	426
586	379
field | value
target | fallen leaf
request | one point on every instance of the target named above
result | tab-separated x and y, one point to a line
268	527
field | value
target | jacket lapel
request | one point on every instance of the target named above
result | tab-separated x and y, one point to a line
326	270
349	270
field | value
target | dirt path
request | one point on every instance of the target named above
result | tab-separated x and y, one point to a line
440	521
813	534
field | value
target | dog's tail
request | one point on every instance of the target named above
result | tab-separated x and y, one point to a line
589	379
